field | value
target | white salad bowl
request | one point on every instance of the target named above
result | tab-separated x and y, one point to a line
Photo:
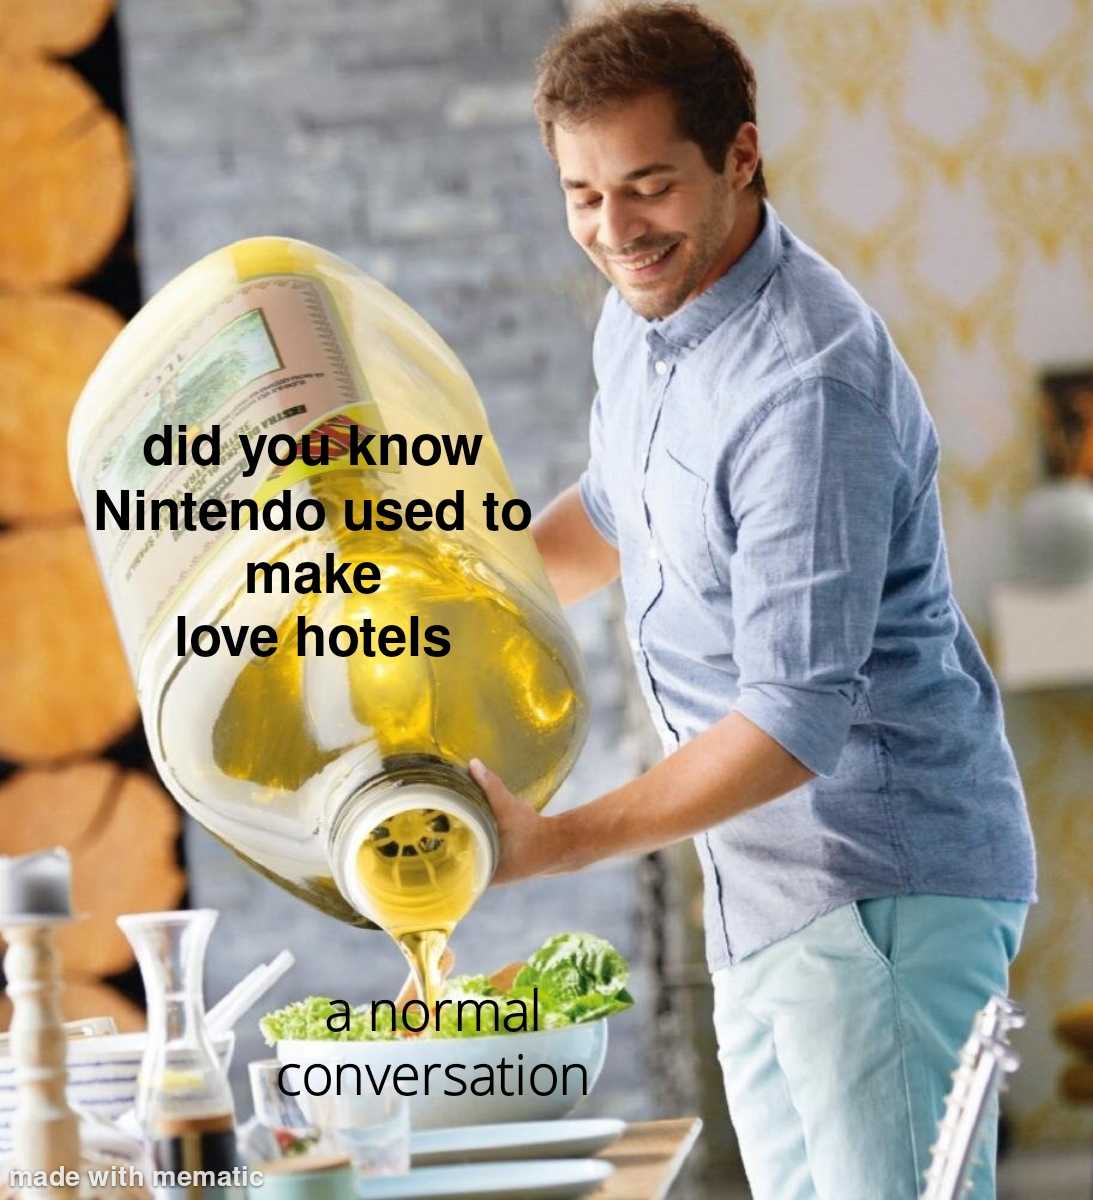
573	1046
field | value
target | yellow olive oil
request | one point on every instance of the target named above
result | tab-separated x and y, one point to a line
422	872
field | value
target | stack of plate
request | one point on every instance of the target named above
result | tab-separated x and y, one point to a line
536	1160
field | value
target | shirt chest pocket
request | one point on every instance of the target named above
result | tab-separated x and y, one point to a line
680	501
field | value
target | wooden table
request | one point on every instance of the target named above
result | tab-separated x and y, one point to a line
647	1159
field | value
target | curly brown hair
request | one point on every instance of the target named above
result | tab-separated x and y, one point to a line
631	48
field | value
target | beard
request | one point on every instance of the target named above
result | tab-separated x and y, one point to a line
696	252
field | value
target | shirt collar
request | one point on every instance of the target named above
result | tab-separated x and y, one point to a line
698	318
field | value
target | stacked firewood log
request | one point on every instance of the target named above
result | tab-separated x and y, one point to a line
65	694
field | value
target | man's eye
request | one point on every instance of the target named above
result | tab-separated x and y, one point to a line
587	203
661	191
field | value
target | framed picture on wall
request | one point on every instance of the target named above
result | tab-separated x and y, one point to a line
1067	421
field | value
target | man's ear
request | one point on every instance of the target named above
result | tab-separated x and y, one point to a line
742	158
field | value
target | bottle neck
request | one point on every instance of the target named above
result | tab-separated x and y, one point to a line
407	782
176	1018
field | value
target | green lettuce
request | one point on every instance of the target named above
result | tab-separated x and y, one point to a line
306	1021
476	988
574	977
578	976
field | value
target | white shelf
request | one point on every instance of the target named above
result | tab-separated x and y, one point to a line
1043	636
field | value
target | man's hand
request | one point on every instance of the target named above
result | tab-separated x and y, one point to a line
529	843
731	767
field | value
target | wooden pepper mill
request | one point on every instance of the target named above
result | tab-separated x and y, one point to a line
35	899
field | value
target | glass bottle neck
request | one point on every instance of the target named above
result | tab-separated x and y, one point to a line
406	783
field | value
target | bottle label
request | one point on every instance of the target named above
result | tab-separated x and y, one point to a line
325	445
267	359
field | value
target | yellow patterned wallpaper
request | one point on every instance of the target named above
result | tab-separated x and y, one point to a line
940	152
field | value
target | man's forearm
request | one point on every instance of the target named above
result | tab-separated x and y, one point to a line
578	561
731	767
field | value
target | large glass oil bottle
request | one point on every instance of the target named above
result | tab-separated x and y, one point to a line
341	778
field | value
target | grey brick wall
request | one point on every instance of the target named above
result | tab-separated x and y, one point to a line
397	133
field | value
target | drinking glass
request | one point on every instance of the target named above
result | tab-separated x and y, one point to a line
287	1130
374	1131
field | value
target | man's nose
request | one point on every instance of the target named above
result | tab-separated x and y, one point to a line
620	224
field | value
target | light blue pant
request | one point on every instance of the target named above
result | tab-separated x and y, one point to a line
838	1043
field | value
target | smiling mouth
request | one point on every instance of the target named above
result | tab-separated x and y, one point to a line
646	264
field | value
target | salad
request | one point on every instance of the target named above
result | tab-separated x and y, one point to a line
571	978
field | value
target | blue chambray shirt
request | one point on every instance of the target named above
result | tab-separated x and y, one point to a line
766	466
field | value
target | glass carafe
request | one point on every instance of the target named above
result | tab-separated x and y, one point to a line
184	1102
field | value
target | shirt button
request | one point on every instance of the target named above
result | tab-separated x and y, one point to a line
653	556
661	367
693	343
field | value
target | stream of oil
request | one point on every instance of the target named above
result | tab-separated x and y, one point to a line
422	871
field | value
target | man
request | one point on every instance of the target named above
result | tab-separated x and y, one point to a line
763	476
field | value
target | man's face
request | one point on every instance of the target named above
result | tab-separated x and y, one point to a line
645	206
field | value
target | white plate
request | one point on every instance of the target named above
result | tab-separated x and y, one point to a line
553	1179
503	1143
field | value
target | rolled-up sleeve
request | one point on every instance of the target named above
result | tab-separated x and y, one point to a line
592	490
813	491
